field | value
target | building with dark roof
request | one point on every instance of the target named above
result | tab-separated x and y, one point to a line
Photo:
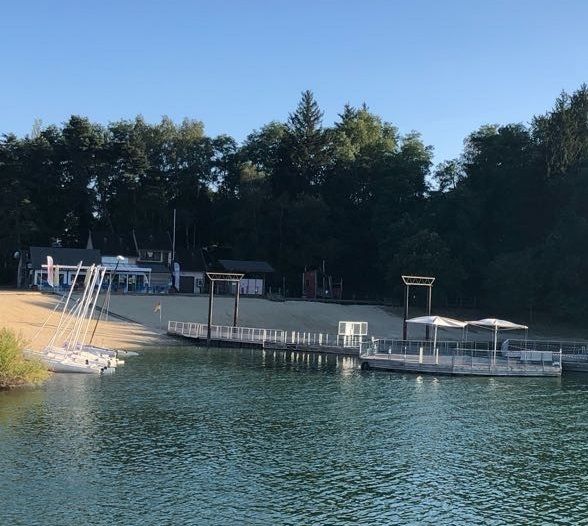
192	271
256	274
66	258
246	267
111	244
145	250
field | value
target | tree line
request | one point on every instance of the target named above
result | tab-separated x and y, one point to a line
506	222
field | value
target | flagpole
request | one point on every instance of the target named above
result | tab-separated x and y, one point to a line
174	240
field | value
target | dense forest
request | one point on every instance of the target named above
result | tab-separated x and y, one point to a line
505	223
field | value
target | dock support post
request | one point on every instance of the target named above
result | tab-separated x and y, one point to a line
428	310
405	325
210	295
236	309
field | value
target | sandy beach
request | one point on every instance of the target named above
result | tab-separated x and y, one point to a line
25	312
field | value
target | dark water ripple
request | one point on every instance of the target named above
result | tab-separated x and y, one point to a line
222	437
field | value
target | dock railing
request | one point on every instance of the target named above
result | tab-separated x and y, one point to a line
566	347
463	355
573	352
263	336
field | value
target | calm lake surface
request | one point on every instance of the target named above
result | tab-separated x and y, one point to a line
222	437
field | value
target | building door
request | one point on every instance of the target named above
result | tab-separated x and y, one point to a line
187	284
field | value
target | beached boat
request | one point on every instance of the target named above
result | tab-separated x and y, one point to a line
59	362
74	355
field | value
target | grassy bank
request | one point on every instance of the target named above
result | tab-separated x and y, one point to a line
15	371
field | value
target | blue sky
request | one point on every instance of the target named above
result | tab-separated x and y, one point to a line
442	68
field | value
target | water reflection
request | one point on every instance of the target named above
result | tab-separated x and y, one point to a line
196	436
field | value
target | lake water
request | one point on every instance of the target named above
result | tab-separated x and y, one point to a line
221	437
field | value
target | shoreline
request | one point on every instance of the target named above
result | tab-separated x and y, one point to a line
133	324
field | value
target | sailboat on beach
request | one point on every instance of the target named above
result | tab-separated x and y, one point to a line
69	349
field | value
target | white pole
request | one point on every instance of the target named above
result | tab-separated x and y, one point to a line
435	346
88	281
72	316
52	341
174	245
86	306
495	343
94	304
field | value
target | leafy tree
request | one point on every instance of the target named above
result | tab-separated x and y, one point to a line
504	222
563	132
304	150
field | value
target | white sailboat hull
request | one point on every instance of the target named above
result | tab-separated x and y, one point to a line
102	353
59	362
64	367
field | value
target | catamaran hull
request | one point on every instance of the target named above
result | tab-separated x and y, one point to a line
58	361
101	353
60	367
64	365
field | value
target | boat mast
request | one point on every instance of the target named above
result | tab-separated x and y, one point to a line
90	281
52	341
102	272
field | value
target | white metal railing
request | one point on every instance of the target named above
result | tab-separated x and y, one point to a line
258	335
460	355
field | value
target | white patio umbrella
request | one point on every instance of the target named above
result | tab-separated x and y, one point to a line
436	322
496	324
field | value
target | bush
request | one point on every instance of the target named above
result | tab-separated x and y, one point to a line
14	369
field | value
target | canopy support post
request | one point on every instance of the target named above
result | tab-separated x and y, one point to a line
236	308
428	309
210	301
405	324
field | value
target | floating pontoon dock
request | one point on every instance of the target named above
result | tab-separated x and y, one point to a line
459	358
513	357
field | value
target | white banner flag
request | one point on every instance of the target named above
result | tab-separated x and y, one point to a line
50	272
177	276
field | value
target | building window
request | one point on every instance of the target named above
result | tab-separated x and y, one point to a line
152	255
